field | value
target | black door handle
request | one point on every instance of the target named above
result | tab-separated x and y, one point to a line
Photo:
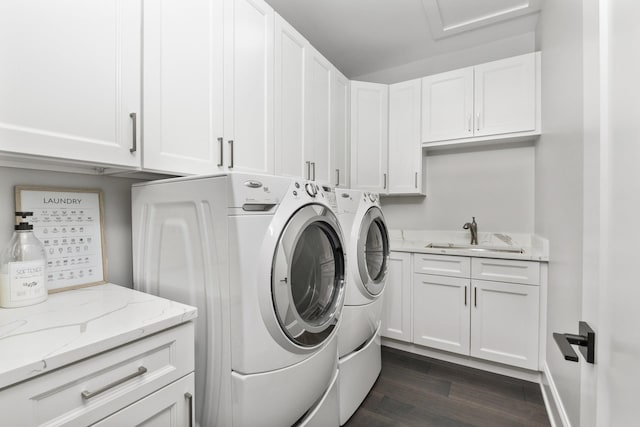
586	340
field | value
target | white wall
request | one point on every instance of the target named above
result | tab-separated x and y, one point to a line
504	48
496	185
559	183
117	201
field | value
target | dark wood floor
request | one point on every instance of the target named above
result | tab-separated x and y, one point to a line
418	391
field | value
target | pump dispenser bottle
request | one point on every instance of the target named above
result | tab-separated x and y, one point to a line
22	267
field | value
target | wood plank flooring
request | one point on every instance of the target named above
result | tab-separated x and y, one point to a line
413	390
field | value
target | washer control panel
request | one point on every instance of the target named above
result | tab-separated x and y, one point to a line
314	191
370	197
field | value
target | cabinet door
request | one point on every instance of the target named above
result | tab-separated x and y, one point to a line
70	79
505	96
396	314
340	129
318	116
291	50
369	138
183	52
447	105
405	153
504	323
248	85
441	312
171	406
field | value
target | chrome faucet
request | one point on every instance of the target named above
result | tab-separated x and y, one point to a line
473	228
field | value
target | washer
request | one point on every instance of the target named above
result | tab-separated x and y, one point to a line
262	258
359	333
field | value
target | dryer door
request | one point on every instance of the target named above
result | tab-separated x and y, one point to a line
373	251
307	277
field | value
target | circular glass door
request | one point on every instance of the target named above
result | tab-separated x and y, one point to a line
373	251
308	276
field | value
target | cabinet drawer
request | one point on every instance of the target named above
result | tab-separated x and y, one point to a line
506	270
170	407
109	382
442	265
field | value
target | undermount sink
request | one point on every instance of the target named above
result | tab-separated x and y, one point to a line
475	248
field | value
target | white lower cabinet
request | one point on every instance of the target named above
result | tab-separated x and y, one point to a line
396	314
146	380
450	309
441	312
504	323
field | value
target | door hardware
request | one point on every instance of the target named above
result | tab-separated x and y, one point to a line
586	340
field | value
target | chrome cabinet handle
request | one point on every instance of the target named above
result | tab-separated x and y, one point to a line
134	146
469	123
231	161
475	297
313	164
337	177
89	394
465	296
384	186
308	163
416	179
221	143
189	397
478	121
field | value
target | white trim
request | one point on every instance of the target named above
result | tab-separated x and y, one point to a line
553	403
496	368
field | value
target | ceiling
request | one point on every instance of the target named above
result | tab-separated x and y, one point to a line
364	36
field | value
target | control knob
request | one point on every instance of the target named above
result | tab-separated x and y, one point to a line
311	189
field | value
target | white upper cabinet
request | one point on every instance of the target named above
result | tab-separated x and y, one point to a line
183	54
496	100
291	50
405	148
447	105
70	80
505	96
248	85
317	122
340	131
369	136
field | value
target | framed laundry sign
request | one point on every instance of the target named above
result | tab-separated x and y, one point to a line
70	224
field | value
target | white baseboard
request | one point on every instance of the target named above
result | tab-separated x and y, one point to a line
555	409
496	368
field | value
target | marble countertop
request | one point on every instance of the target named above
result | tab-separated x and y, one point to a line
75	324
534	247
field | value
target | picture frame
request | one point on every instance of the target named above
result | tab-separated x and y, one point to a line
70	224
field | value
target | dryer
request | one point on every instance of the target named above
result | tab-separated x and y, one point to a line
262	258
359	334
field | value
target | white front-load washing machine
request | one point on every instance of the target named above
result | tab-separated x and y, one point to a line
359	333
262	258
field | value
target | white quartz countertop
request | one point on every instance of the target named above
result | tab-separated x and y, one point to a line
76	324
534	247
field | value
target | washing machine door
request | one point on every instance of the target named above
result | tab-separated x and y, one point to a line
373	251
307	279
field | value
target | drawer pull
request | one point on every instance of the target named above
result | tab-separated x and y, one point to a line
89	394
189	397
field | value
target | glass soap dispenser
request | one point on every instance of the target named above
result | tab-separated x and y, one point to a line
22	267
